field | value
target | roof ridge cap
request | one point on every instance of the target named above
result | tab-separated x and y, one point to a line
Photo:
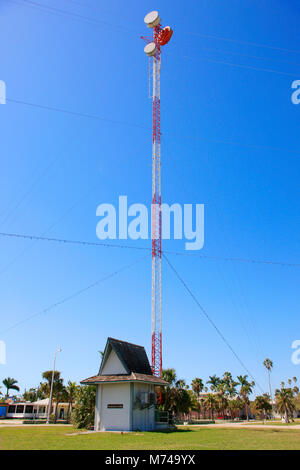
126	342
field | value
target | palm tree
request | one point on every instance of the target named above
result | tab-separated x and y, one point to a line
234	406
197	387
165	394
180	400
10	384
71	391
229	385
214	381
262	403
245	390
180	383
284	402
269	366
210	404
47	375
46	386
222	401
169	375
59	395
30	395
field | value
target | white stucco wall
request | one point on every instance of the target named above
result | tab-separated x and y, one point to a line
144	419
113	419
128	418
113	365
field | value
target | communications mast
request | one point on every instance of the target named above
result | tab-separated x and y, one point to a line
161	36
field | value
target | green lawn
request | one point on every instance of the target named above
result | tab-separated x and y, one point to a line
188	439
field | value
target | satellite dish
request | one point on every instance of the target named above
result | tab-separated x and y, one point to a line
150	49
164	36
152	19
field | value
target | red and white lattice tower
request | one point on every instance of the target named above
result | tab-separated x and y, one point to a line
161	36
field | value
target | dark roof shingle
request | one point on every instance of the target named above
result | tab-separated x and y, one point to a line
133	377
134	357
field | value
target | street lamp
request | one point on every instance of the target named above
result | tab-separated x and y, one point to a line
51	388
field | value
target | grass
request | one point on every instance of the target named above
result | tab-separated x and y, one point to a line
44	438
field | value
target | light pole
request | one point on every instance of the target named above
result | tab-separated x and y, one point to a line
51	387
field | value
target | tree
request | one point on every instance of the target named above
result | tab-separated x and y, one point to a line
30	395
71	391
197	387
57	387
229	385
245	390
263	404
297	402
234	406
59	395
214	381
169	375
181	384
210	404
10	384
45	386
268	364
221	400
175	397
83	415
181	401
285	400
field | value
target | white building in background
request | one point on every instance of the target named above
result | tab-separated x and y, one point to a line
125	398
36	410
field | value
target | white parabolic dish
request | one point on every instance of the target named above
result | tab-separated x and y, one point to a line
150	49
152	19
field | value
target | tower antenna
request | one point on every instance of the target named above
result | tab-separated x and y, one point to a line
161	36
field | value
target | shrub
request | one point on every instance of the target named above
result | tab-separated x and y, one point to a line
83	414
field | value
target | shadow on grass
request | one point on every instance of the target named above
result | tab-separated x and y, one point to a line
172	431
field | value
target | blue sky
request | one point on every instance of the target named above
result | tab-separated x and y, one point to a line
230	141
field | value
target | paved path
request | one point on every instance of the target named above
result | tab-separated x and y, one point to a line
244	426
10	423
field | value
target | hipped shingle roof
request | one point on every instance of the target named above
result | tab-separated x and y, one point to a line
133	377
134	360
133	357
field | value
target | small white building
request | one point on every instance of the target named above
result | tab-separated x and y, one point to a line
37	409
125	398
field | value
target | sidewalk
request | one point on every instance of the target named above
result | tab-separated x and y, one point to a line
243	425
12	423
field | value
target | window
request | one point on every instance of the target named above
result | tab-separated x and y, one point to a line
11	409
115	405
20	409
29	409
